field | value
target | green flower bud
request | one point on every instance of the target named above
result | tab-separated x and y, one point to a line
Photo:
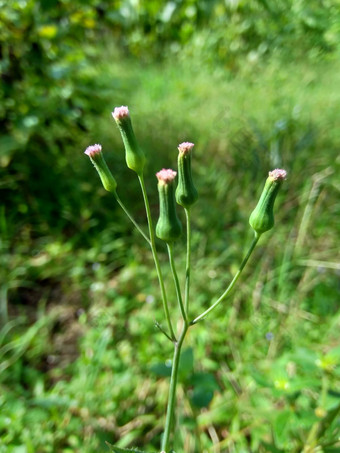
262	218
96	156
186	193
135	158
168	227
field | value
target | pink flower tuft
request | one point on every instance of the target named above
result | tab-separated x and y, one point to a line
185	147
120	113
93	150
166	175
278	174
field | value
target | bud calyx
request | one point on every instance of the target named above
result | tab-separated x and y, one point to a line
168	227
96	156
186	193
262	218
135	158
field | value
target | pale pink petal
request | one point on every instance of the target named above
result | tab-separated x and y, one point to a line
185	147
166	175
278	174
93	150
120	112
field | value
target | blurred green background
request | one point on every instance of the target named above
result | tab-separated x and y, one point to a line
255	85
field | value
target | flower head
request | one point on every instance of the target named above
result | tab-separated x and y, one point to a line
262	218
186	193
134	155
168	227
166	175
96	157
278	174
93	150
120	113
185	147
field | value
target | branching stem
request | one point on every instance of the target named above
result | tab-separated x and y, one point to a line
232	284
176	281
155	257
121	204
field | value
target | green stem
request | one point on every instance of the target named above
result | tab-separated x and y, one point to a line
160	328
121	204
170	414
3	306
155	256
234	280
188	263
176	281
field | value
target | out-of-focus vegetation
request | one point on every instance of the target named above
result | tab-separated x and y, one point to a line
255	86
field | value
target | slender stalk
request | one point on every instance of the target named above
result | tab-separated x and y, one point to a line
176	281
3	305
188	263
160	328
155	256
121	204
232	284
170	413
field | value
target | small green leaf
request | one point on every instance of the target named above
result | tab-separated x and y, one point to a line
281	425
161	369
204	385
202	397
204	380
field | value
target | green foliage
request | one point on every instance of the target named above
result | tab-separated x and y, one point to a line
240	27
51	91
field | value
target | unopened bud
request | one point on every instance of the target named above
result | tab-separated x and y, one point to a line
262	218
135	158
168	227
186	193
96	156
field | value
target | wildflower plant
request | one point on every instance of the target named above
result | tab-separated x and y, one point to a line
169	230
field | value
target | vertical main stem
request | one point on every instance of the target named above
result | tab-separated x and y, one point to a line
177	285
155	256
188	263
170	413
